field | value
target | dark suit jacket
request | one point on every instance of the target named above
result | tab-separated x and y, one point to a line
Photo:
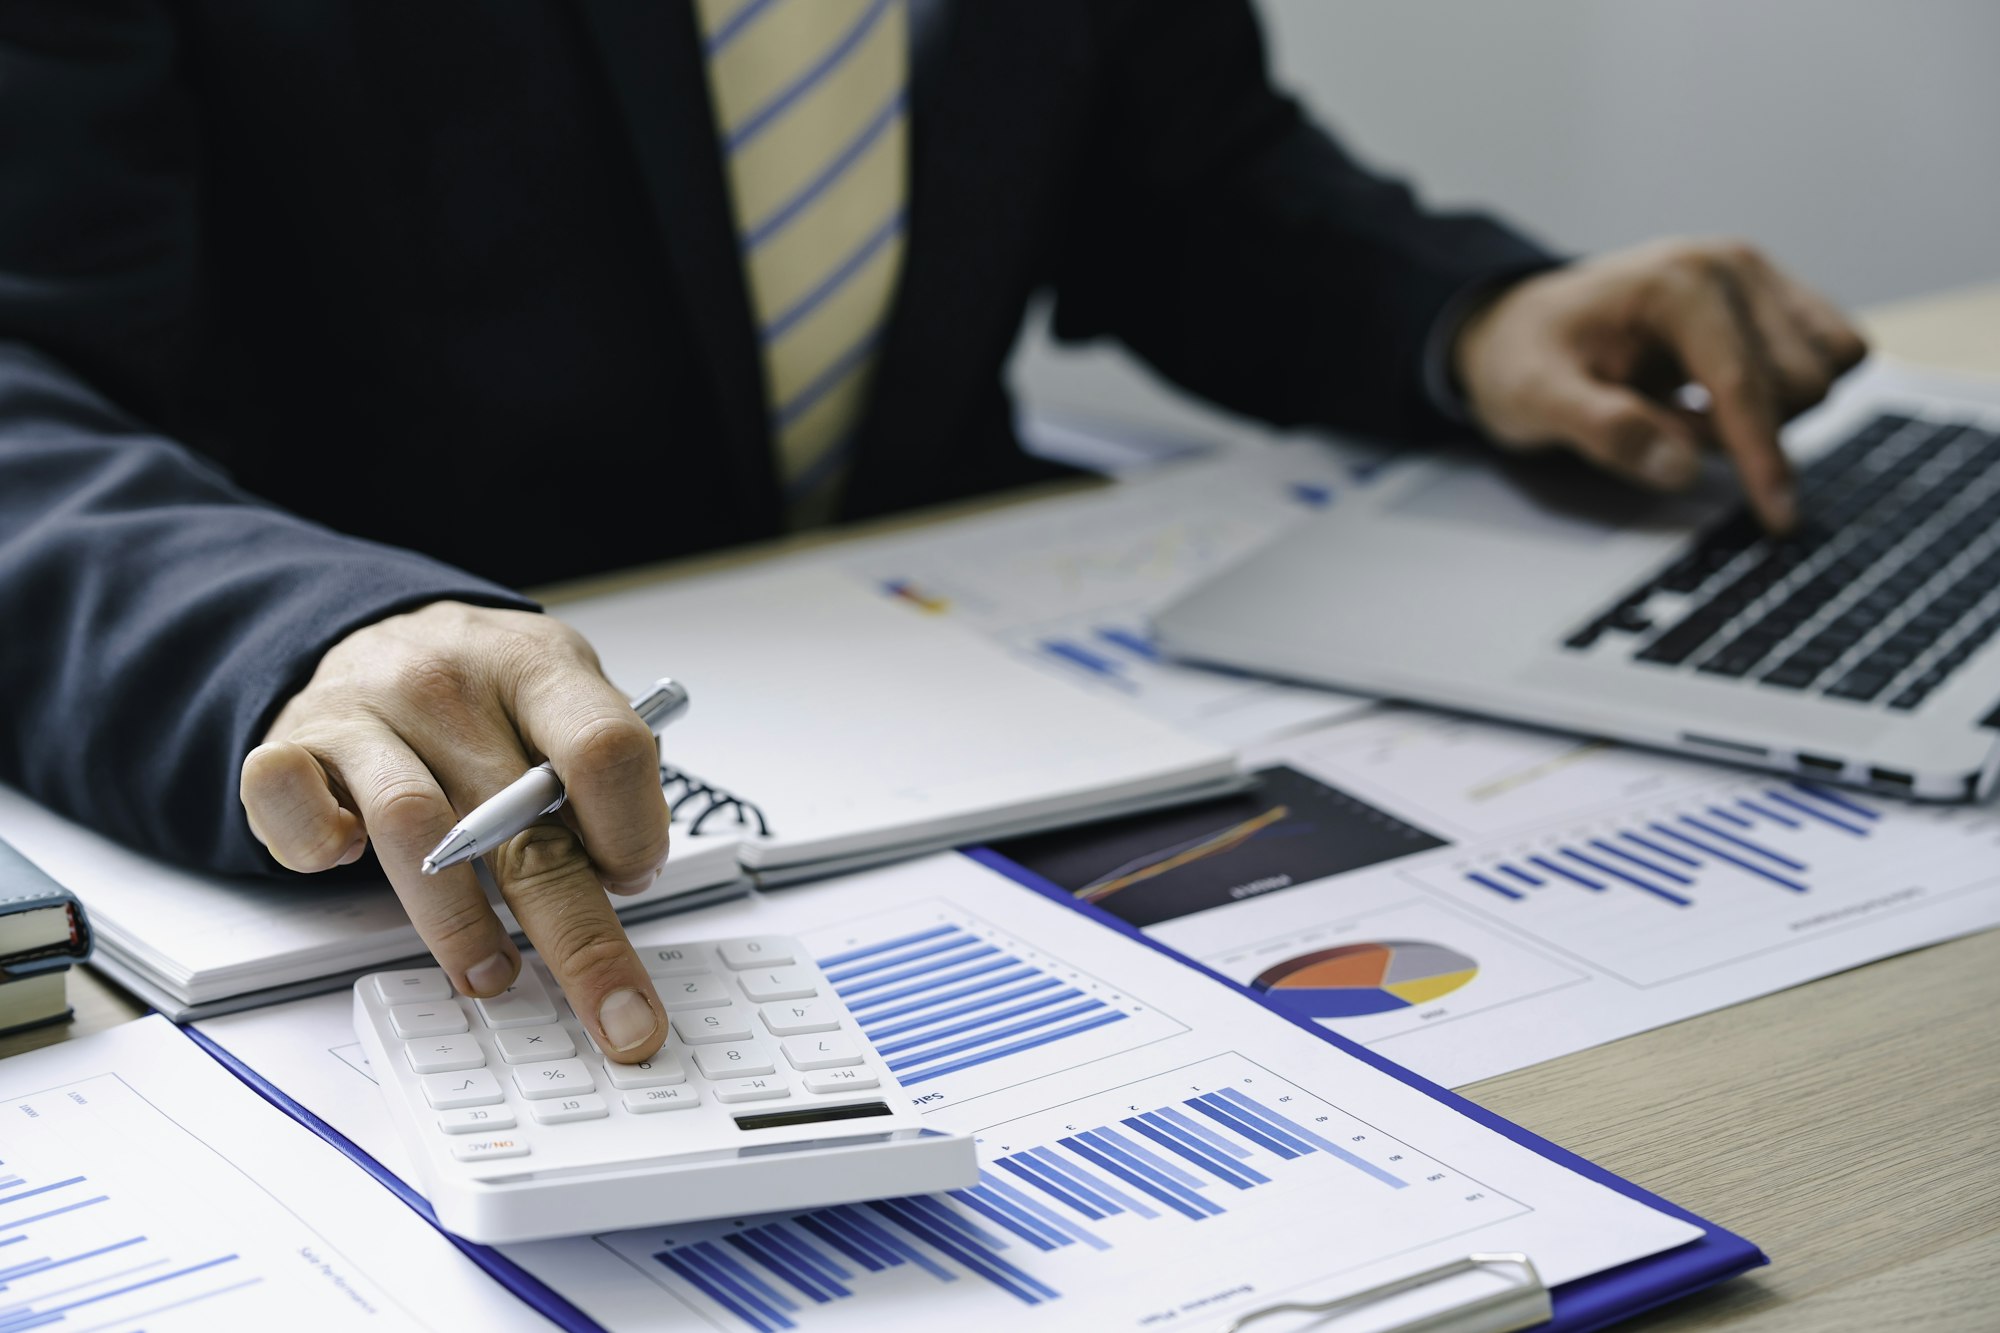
458	277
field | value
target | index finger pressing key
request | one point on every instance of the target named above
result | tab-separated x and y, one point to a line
1714	338
554	893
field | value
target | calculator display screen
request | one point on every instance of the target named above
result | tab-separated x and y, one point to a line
811	1115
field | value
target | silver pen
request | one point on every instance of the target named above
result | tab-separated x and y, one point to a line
538	791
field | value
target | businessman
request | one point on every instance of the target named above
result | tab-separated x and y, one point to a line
324	325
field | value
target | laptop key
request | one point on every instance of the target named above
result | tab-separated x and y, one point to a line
1859	685
1737	659
1792	676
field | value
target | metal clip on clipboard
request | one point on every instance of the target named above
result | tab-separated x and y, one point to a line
1524	1303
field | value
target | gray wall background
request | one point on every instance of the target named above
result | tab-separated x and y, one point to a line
1856	140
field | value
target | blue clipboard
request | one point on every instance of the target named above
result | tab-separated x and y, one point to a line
1588	1303
1593	1302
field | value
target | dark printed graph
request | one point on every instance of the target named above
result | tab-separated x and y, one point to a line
1290	829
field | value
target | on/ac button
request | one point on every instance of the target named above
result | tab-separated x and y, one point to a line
485	1150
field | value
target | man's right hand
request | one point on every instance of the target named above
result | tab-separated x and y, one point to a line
410	722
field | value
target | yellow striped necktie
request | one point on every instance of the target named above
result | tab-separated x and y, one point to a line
811	104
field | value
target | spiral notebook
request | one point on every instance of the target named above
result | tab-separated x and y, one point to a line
840	729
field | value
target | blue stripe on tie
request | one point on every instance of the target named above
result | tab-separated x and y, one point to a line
831	172
757	120
789	318
830	379
734	24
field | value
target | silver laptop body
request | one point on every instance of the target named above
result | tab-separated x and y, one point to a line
1536	591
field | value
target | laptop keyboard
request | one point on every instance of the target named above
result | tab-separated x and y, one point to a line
1890	584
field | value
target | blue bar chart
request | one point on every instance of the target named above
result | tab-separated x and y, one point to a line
1654	893
103	1248
1060	1199
1761	833
72	1254
953	1004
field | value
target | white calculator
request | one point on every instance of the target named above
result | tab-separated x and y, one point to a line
765	1097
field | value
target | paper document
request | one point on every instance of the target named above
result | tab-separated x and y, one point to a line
1157	1148
1469	898
1067	585
143	1186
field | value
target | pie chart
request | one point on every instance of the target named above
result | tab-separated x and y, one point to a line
1357	979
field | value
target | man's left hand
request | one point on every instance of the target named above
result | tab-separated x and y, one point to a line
1592	357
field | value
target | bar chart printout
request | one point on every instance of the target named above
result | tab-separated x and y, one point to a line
1654	893
1156	1200
954	1005
118	1246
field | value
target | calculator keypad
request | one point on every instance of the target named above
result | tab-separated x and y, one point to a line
441	1019
554	1078
443	1055
705	1026
656	1072
734	1061
751	1089
693	990
520	1046
661	1099
751	1023
473	1087
790	1020
526	1003
779	983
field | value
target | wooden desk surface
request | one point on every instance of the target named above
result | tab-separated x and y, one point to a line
1851	1126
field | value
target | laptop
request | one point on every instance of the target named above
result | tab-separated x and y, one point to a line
1863	649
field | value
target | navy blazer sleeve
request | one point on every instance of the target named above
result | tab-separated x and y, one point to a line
152	615
1230	242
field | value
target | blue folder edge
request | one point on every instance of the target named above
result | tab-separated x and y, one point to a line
529	1288
1588	1303
1593	1302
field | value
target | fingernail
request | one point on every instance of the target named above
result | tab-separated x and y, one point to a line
1783	508
628	887
353	853
626	1019
491	976
1667	463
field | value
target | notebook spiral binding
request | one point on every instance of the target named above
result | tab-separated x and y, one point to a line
683	788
